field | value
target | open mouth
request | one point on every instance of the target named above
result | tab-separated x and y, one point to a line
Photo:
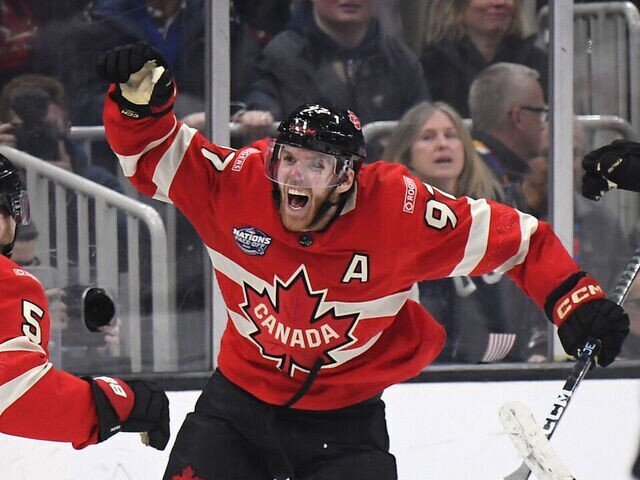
297	199
443	160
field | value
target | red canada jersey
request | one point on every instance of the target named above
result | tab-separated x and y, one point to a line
36	400
335	302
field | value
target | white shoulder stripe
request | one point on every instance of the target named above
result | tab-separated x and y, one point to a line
21	344
129	163
386	306
528	226
478	239
170	162
11	391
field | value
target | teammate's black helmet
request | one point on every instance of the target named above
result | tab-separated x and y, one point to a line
327	130
13	197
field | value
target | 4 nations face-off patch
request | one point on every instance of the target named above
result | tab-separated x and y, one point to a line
251	240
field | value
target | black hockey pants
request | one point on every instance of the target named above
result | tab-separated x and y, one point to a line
232	435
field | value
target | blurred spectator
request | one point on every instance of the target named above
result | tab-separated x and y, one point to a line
81	350
477	312
253	25
34	118
334	53
465	36
68	50
509	118
591	219
17	38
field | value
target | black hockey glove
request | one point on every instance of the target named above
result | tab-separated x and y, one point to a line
134	406
145	83
578	306
616	165
150	413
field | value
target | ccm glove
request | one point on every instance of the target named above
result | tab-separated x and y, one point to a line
145	83
135	406
616	165
580	310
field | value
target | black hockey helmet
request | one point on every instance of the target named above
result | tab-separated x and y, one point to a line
334	132
13	197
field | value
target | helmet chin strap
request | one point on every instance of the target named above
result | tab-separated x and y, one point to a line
326	206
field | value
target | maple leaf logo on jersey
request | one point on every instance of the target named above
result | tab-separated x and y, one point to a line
296	329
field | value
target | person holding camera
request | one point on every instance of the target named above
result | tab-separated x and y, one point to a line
37	400
34	118
84	314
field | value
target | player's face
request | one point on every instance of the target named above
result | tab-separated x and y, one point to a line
307	179
7	227
437	155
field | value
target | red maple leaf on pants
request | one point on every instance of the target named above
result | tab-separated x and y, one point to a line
187	474
295	329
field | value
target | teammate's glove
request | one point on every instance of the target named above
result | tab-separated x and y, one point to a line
135	406
579	308
616	165
145	83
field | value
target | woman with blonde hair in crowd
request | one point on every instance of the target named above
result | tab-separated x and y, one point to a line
464	37
433	142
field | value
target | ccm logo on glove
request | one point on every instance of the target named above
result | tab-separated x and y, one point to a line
586	290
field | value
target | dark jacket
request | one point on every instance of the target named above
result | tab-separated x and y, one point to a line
69	50
505	164
450	68
472	310
297	67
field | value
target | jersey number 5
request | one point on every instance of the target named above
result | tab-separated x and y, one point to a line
32	314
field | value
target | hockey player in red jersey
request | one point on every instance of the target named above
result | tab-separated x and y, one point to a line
37	400
315	256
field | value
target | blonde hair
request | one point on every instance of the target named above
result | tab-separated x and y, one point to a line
476	180
445	21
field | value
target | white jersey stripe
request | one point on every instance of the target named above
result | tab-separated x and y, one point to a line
380	307
21	344
129	163
14	389
170	162
478	239
528	226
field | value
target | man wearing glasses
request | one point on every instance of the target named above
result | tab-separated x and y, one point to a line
509	118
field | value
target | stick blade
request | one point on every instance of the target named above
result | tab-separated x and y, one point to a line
532	445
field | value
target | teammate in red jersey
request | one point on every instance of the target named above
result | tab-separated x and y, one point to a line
37	400
315	256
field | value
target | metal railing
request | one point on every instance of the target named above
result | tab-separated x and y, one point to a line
98	211
591	123
607	62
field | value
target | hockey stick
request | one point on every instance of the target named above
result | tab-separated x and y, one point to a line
519	421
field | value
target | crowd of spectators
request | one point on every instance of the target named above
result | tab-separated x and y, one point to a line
477	59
